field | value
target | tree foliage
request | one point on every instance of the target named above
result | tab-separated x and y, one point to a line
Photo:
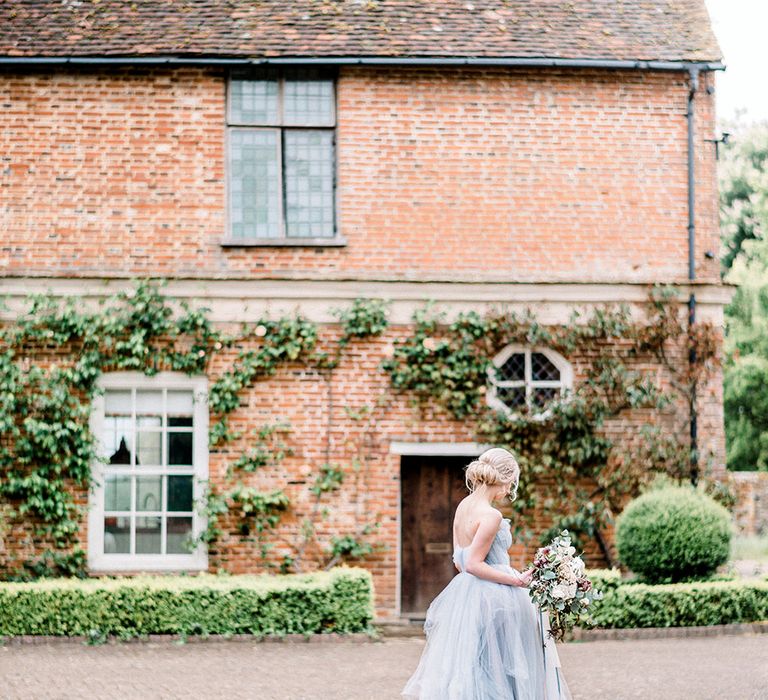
744	194
744	220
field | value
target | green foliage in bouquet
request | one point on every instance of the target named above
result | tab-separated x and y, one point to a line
560	586
673	534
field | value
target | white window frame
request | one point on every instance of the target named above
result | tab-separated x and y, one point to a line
565	383
98	561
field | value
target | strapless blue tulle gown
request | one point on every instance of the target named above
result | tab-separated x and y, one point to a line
486	640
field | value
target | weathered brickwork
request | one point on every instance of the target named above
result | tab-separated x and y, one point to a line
448	174
322	430
481	174
751	512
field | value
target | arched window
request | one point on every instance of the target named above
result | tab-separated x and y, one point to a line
153	458
528	377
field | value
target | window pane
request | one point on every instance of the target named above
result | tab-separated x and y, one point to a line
148	494
117	440
513	369
180	493
308	99
148	535
309	183
542	368
179	403
117	492
149	448
117	535
178	531
541	396
149	403
180	421
117	403
514	397
180	449
254	101
254	183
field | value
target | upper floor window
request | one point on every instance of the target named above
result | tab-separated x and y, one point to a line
152	433
528	377
281	154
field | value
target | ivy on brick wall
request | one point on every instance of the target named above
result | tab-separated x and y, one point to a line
576	471
51	358
580	464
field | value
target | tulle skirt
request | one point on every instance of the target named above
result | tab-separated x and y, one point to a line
486	641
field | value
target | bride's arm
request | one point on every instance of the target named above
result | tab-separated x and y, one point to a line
478	550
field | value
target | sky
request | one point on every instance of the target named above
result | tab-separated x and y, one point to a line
741	27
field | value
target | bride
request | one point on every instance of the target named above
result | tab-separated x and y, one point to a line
485	637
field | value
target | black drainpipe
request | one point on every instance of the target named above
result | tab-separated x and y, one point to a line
694	454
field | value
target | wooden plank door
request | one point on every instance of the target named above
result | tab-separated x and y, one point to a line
431	488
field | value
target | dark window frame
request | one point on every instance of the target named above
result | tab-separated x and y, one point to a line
281	74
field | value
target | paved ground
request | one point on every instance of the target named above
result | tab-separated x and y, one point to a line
722	668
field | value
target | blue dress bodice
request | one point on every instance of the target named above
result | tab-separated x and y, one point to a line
498	554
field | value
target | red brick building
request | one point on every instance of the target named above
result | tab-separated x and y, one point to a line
281	156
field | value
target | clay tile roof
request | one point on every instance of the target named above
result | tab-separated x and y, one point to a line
663	30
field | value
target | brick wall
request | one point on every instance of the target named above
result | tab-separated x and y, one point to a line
322	430
456	174
465	173
751	511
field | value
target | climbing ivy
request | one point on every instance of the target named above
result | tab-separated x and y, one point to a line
578	470
51	358
577	473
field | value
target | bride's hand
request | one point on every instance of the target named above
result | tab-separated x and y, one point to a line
523	580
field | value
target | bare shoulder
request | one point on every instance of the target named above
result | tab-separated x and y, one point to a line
493	515
488	516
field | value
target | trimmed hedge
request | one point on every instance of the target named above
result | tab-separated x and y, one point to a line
605	579
340	600
681	604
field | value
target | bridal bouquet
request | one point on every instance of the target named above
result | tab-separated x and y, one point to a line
560	586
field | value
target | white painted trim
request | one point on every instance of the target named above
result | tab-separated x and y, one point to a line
438	449
98	562
562	364
233	300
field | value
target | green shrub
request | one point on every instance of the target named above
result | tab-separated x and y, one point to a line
673	534
604	579
682	604
336	601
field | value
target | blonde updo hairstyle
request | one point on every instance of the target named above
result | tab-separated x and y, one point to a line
493	467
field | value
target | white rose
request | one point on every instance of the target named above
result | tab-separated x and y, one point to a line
558	591
577	565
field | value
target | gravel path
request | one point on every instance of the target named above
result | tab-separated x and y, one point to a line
722	668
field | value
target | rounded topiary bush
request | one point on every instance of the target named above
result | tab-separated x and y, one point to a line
673	534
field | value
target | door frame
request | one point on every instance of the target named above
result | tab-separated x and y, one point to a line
424	449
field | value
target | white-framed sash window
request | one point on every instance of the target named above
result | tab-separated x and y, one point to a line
152	434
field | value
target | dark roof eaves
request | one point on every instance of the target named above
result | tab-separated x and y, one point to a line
522	61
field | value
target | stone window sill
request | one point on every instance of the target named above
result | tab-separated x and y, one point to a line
283	242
